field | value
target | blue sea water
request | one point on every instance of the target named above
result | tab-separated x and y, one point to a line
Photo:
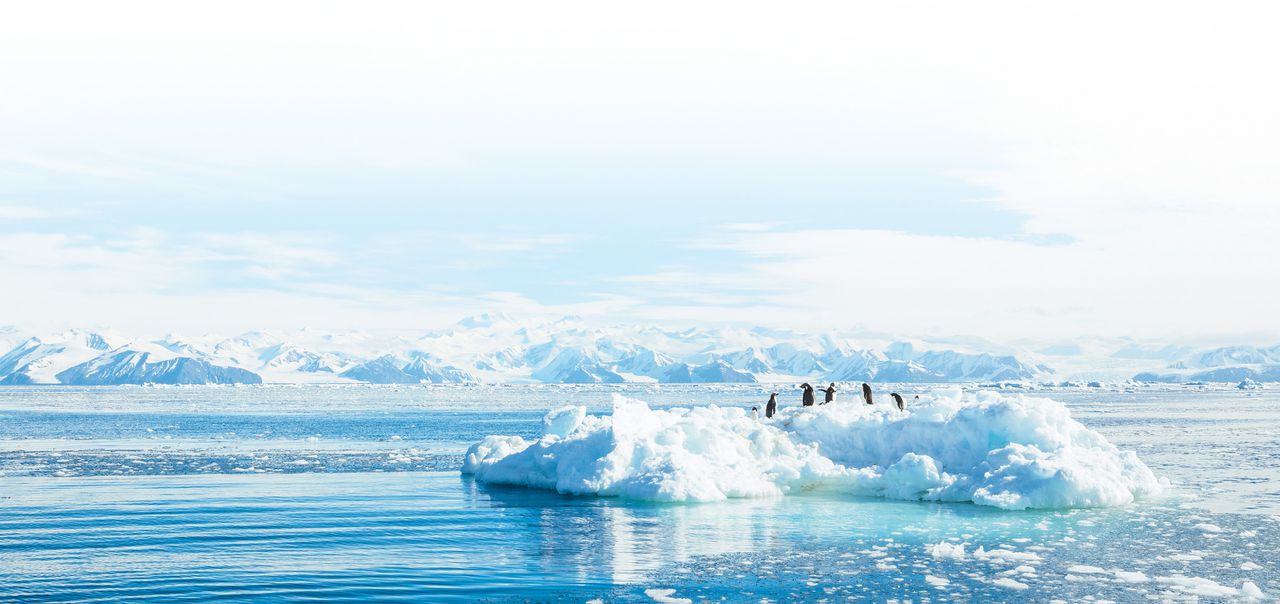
352	493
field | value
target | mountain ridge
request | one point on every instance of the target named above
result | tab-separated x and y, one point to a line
495	348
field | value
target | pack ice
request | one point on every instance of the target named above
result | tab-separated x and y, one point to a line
1011	452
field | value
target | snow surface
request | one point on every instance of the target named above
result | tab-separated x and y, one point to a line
1010	452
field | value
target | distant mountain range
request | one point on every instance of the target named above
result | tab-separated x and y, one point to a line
1225	364
498	349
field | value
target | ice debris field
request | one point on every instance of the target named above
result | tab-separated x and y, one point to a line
1010	452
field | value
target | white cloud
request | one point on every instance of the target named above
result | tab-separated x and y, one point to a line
147	279
26	212
1131	284
1138	137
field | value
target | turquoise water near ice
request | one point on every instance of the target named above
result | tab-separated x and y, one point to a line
352	493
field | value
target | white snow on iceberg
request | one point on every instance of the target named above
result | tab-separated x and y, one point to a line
1011	452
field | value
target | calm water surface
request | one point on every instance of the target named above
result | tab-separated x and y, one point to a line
352	493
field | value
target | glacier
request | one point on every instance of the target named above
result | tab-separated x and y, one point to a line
1009	452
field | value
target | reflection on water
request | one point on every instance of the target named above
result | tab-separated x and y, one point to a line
627	540
438	537
831	546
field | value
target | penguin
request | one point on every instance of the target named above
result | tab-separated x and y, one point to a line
866	393
755	413
807	399
897	398
772	406
831	393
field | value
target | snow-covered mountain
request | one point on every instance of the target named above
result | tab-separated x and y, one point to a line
498	349
37	360
495	349
389	369
132	366
1222	364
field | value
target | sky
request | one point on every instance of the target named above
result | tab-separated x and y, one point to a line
1004	169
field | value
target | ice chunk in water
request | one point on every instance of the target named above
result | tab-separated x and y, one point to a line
1010	452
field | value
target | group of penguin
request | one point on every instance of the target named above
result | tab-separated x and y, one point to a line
807	398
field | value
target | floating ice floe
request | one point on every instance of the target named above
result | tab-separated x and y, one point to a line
1008	583
666	596
1011	452
945	551
1209	588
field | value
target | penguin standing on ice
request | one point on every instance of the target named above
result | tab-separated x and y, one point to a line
897	398
807	399
772	406
866	393
755	413
831	393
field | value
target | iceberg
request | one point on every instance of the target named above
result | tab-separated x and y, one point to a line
1010	452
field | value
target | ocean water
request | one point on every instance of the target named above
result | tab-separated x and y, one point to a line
344	493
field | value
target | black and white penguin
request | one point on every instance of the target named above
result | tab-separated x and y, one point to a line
866	393
807	399
831	393
772	406
897	398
